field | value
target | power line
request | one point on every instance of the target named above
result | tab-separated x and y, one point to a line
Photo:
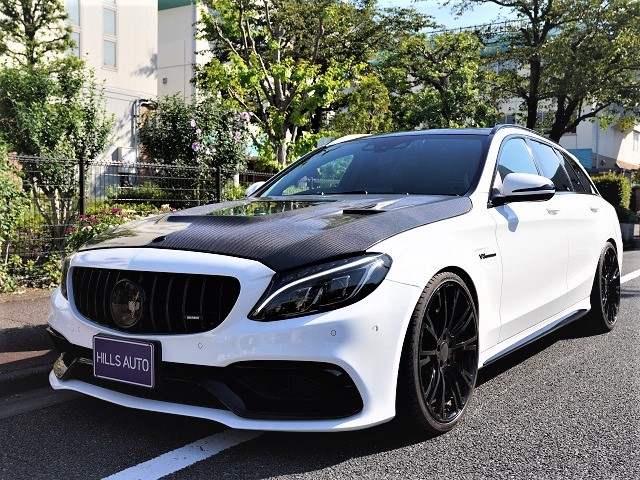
503	24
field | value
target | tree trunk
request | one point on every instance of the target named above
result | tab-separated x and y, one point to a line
281	154
533	98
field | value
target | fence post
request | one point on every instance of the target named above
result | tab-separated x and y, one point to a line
81	199
218	184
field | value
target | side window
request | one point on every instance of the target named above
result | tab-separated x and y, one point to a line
515	157
550	165
585	181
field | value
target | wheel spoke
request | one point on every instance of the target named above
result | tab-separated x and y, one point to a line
464	375
467	345
467	316
429	327
433	388
456	395
425	356
442	397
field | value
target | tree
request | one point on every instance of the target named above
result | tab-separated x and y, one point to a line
55	111
577	58
33	30
272	59
367	109
438	81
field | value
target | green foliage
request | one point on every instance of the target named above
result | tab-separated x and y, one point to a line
285	60
204	132
13	202
615	189
33	31
367	109
574	59
55	111
232	192
626	215
96	222
438	81
148	192
41	272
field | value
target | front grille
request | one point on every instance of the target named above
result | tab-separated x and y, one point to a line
173	303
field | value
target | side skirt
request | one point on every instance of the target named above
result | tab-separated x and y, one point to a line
547	329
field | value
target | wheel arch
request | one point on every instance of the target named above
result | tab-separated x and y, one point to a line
468	282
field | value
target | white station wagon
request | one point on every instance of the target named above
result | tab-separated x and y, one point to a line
369	280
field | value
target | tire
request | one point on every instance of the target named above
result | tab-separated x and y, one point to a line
605	293
439	363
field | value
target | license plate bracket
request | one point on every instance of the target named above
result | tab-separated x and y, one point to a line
125	360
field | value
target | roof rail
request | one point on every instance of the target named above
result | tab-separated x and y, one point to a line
520	127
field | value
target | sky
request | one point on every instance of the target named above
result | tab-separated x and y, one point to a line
481	14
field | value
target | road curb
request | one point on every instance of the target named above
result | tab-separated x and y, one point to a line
24	380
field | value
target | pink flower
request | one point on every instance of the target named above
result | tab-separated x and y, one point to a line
82	216
245	116
198	131
237	136
207	151
103	212
195	146
71	230
115	210
193	122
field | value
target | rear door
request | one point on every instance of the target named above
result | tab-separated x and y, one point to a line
587	227
532	241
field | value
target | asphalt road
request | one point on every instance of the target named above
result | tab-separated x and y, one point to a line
565	407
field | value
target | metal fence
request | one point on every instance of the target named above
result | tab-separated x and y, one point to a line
58	190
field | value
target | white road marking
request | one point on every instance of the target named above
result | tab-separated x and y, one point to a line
180	458
629	276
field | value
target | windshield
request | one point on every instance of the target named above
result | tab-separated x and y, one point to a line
412	164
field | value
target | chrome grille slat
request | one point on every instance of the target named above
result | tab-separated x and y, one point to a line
170	299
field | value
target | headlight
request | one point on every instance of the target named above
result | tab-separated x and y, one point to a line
64	269
321	287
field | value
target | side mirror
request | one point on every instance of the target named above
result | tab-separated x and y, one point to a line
252	188
524	187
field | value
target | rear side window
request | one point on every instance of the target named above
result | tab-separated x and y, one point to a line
579	180
585	181
550	165
515	158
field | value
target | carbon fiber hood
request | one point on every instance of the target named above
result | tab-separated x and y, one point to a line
286	233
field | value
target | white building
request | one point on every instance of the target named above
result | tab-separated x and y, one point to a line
178	48
118	39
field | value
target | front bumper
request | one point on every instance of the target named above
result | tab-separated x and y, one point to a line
342	363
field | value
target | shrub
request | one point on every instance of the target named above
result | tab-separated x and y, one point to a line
615	189
232	192
13	202
626	215
88	226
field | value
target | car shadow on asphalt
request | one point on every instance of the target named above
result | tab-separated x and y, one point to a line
25	339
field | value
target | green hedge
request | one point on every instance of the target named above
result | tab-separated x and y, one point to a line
615	189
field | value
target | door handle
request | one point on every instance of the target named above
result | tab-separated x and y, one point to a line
594	209
553	211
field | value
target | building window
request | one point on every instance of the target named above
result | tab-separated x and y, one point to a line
73	19
636	141
109	34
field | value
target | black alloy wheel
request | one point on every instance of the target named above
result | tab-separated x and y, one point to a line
605	294
440	356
